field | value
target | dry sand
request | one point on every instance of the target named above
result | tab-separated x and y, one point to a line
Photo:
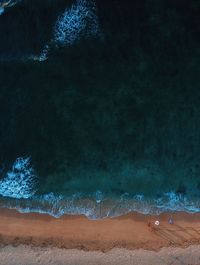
47	239
26	255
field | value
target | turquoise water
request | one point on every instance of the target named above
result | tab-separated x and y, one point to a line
99	107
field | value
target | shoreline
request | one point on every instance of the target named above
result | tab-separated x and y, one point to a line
130	231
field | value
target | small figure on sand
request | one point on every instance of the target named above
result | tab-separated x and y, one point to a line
151	227
170	220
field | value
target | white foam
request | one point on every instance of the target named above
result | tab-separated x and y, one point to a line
5	4
98	205
171	201
1	10
98	195
77	22
19	181
90	206
43	56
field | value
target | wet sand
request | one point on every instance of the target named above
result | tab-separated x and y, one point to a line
129	232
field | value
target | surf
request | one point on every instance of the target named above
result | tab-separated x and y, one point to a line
19	182
6	4
80	21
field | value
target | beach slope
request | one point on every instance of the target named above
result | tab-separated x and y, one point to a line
77	232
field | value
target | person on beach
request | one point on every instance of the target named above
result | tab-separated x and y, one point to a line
151	227
170	221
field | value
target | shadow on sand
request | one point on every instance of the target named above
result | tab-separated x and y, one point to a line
175	235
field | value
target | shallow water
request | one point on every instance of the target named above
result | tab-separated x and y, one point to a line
101	99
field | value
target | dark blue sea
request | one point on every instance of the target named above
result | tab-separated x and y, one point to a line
100	106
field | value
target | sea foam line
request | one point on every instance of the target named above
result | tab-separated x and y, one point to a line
98	205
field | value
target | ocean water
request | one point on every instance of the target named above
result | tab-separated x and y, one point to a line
100	106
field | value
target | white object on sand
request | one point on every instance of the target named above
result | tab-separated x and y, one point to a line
157	222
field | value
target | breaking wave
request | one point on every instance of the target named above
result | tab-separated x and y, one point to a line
7	3
18	191
98	205
78	22
19	182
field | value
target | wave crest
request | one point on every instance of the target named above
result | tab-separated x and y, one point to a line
7	3
77	22
98	205
19	181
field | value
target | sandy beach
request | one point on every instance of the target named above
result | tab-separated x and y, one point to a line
26	255
38	233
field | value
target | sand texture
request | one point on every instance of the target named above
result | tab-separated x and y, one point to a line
27	239
26	255
130	231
